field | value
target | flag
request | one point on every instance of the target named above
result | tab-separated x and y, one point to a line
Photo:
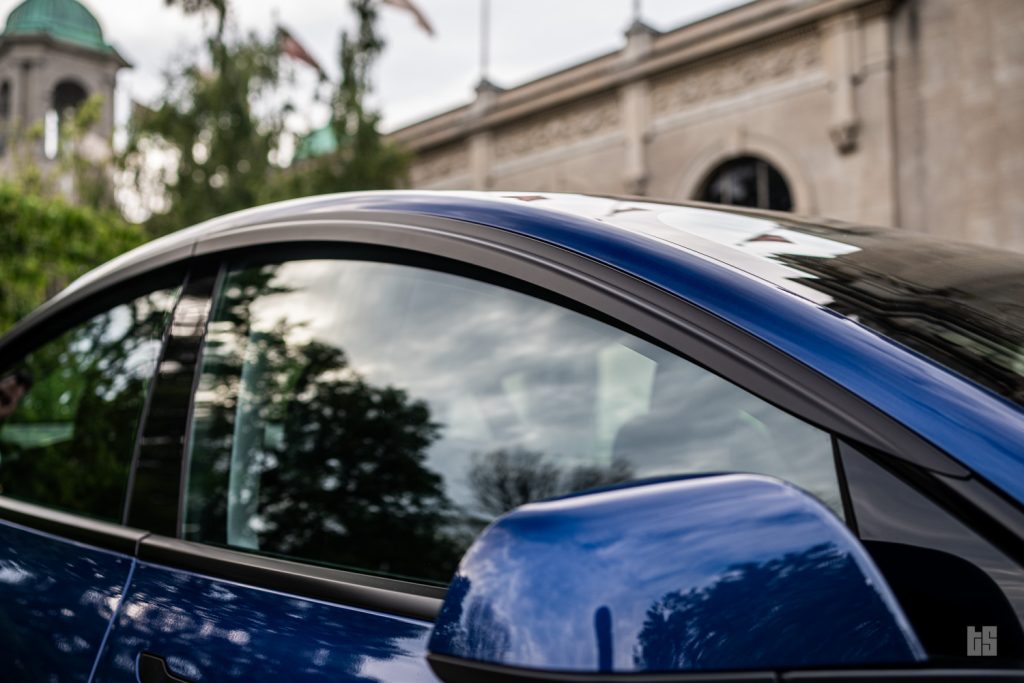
407	5
289	45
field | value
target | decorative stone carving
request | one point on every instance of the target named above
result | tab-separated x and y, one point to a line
440	163
775	61
558	128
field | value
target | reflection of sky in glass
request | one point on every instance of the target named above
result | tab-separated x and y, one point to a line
503	370
960	305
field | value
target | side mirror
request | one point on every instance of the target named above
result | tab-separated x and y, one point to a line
729	572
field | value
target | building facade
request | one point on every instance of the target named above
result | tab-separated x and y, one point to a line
889	112
53	57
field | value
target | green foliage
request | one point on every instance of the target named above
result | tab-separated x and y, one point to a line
222	120
219	7
208	125
69	442
335	467
78	172
364	160
45	243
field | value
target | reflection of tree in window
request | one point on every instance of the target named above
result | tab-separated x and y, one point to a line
377	415
687	630
747	181
502	480
296	454
69	443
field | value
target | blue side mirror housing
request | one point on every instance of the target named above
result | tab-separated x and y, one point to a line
715	573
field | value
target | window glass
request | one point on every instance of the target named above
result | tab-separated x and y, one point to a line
944	574
747	181
376	416
70	409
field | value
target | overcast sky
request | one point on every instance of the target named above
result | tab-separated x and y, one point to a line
417	75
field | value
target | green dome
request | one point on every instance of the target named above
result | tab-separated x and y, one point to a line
64	20
318	143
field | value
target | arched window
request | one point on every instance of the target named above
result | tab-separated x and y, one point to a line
747	181
5	114
67	96
5	100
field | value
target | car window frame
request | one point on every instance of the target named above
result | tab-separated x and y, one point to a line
63	314
256	256
661	316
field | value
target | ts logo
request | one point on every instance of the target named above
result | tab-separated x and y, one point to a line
981	643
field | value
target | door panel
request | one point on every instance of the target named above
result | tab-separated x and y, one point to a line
58	597
213	630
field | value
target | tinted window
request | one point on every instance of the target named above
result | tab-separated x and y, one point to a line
376	416
70	409
944	574
747	181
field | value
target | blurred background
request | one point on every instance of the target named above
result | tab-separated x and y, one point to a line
124	120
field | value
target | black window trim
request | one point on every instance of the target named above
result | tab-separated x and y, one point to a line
455	670
653	313
353	589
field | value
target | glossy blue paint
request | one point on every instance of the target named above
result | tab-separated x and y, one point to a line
56	601
978	428
973	425
705	573
213	630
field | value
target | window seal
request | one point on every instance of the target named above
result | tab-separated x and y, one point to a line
675	323
72	526
336	586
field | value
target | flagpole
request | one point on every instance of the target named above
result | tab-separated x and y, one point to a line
485	39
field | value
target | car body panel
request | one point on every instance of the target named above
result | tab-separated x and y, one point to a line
58	598
209	629
721	572
981	430
213	629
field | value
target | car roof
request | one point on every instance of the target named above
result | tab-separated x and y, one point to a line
769	274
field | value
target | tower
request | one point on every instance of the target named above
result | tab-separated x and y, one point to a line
53	56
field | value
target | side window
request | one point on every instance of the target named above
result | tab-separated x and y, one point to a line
946	576
69	410
376	416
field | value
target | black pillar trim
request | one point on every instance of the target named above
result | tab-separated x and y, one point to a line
156	490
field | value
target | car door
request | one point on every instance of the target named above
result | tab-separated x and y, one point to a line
72	392
359	414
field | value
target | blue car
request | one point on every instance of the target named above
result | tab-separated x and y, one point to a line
415	437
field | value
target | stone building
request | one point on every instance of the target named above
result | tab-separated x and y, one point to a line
889	112
53	56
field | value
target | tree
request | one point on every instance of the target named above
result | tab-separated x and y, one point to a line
218	146
760	611
363	158
222	122
46	243
219	7
80	172
296	453
504	479
69	442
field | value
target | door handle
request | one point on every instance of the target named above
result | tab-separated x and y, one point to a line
153	669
